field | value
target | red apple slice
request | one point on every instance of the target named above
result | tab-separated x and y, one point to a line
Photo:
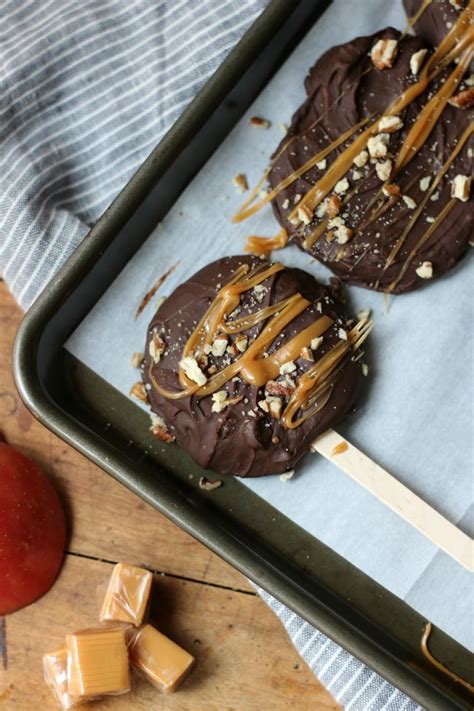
32	531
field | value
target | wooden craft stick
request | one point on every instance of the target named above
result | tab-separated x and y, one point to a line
397	497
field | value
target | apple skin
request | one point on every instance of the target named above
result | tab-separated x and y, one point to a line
32	531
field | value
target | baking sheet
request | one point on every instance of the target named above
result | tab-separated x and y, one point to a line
416	418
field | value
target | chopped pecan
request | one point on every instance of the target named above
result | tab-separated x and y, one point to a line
260	290
391	190
343	234
361	159
203	361
240	182
377	145
425	270
305	214
342	186
138	391
219	346
425	183
461	187
416	61
463	100
333	205
259	122
192	370
409	202
209	484
287	367
383	53
390	124
384	169
219	401
136	360
159	429
275	405
156	347
279	389
241	343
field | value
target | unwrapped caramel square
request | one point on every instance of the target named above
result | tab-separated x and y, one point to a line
127	595
55	675
97	662
164	663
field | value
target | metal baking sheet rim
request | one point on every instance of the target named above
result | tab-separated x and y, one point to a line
30	385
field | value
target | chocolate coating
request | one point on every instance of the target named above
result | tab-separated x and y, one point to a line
343	87
436	21
232	441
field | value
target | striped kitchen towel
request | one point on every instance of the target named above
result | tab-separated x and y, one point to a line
87	89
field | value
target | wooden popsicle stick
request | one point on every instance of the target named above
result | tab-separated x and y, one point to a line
397	497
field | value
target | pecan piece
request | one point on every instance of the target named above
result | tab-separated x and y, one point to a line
333	205
240	182
138	391
279	389
259	122
209	484
463	100
159	429
156	347
383	53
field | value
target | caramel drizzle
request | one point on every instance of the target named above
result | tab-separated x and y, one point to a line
433	105
419	210
414	19
454	43
434	225
383	206
457	42
252	365
318	232
243	213
431	112
452	675
263	246
239	216
317	382
227	299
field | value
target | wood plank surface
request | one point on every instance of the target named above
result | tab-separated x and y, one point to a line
245	661
105	516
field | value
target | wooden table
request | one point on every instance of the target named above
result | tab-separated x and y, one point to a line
245	661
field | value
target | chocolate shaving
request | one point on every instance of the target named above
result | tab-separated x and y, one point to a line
151	293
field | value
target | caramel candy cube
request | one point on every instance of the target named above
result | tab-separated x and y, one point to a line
55	675
97	662
127	595
158	659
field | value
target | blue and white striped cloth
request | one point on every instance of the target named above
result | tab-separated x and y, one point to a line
87	89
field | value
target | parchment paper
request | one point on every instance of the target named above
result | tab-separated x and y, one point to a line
416	419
